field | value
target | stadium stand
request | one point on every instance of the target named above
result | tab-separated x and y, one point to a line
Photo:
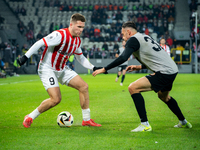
43	13
38	18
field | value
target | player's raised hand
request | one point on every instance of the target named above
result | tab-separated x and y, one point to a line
98	72
133	68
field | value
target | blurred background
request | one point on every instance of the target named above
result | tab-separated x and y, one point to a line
23	22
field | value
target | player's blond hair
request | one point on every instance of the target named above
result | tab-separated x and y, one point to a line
77	17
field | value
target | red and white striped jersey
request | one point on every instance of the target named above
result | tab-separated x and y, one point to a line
166	48
60	45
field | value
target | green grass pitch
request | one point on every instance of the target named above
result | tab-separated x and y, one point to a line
110	105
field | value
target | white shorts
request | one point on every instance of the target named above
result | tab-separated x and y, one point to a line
50	78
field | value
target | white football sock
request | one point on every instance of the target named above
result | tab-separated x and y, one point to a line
34	114
145	123
86	114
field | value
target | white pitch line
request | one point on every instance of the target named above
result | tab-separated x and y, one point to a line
18	82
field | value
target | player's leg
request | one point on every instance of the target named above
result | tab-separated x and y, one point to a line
78	83
55	98
173	106
50	83
135	89
118	75
123	76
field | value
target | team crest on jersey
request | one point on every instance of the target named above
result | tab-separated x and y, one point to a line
50	37
62	52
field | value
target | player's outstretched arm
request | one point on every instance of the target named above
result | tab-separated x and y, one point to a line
30	52
97	68
84	61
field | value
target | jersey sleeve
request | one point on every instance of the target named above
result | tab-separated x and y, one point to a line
52	39
78	51
84	61
34	48
131	46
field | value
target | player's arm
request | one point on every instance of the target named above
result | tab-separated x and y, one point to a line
135	67
52	39
131	46
121	59
30	52
84	61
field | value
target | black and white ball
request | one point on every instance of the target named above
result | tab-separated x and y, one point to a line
65	119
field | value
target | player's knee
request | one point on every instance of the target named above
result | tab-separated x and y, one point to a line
163	98
129	89
56	100
132	89
84	88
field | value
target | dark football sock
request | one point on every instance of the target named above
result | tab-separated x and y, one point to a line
118	75
123	77
140	106
173	106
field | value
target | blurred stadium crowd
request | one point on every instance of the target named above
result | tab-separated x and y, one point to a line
102	35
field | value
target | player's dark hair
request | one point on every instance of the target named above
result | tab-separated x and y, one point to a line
129	24
77	17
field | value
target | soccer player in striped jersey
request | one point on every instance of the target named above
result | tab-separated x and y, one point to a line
150	54
59	46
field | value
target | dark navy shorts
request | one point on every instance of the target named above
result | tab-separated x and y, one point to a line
161	82
121	68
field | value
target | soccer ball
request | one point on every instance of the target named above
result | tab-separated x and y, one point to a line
65	119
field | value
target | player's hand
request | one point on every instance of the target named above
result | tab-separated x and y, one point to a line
96	68
99	71
133	68
21	60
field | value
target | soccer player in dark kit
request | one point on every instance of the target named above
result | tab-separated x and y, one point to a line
151	55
